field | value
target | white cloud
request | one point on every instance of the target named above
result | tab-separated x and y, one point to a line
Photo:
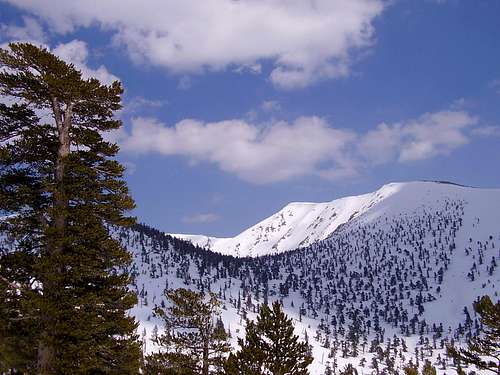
434	134
431	134
306	41
259	154
201	218
139	103
380	145
308	146
77	53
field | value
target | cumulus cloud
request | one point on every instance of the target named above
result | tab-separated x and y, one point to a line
306	41
430	135
308	146
201	218
259	154
77	53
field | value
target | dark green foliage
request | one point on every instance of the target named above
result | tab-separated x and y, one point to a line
270	346
160	364
428	368
195	341
64	296
349	370
483	350
410	369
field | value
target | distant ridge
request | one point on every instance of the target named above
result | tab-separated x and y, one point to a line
300	224
450	183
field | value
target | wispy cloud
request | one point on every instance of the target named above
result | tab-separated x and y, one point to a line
185	83
495	84
270	106
139	103
487	131
200	218
130	167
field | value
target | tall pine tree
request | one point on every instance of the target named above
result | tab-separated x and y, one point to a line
270	347
63	283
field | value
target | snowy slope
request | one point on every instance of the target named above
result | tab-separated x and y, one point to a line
406	264
302	224
476	240
297	225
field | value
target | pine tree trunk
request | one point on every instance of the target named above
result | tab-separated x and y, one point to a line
63	122
205	358
45	359
46	353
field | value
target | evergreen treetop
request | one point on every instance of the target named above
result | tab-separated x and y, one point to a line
270	347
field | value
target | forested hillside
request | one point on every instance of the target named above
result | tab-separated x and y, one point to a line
392	285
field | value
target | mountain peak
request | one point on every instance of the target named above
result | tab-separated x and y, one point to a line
300	224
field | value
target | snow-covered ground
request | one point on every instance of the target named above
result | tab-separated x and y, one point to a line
376	255
298	224
301	224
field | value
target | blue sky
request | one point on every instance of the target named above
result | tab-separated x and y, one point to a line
233	109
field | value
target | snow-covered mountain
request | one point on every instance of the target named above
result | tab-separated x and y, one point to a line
301	224
393	280
298	224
